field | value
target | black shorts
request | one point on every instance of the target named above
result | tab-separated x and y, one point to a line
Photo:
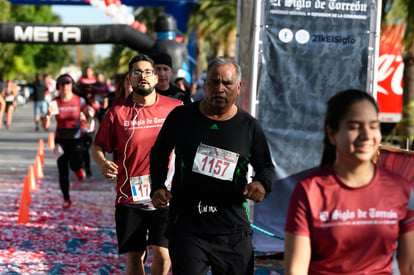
132	226
226	254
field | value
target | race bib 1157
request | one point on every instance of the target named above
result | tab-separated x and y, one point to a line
215	162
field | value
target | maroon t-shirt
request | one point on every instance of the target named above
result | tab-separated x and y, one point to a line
352	230
131	132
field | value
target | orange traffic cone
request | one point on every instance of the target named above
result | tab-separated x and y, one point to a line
51	141
26	191
38	168
31	178
23	213
24	201
41	150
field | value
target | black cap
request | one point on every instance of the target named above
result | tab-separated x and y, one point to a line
164	59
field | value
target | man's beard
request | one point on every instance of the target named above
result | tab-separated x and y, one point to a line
142	91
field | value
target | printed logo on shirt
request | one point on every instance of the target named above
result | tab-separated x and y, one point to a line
68	108
204	208
214	127
360	216
144	123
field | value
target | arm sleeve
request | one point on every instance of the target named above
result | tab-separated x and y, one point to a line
161	151
297	219
105	137
261	159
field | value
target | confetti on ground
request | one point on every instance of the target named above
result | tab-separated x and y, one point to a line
79	240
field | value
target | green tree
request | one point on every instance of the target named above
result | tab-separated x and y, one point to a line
6	50
22	61
214	22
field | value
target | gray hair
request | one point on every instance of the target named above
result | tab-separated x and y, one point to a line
222	60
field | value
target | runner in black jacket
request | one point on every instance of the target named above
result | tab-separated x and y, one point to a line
214	141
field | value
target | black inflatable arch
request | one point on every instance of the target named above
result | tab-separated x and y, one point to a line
76	34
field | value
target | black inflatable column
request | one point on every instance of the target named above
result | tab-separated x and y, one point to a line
165	27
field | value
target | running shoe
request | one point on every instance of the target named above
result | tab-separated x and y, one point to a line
67	204
80	175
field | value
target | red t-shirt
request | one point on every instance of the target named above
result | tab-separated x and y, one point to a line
352	230
68	119
130	133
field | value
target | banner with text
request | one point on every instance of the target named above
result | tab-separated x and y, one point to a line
311	50
390	73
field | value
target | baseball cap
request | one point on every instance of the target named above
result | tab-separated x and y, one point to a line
164	59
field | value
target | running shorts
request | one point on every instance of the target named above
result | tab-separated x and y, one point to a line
133	224
193	254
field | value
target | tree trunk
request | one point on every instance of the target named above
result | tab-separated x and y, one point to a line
406	135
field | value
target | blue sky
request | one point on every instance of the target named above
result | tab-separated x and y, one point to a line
84	15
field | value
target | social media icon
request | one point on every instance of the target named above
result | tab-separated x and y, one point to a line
285	35
302	36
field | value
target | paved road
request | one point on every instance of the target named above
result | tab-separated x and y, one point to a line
19	144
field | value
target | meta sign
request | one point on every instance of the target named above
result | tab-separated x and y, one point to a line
31	33
390	73
47	34
39	33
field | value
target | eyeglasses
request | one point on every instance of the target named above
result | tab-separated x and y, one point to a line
138	73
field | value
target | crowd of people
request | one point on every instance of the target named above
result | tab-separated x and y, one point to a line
180	156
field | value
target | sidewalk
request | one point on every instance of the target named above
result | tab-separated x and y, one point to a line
80	240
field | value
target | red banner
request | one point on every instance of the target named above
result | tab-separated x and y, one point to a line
390	73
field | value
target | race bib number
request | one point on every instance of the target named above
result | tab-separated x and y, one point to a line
215	162
58	151
140	188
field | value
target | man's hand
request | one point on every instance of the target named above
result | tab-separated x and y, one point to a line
161	198
109	169
254	191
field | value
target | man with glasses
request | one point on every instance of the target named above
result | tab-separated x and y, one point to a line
129	130
164	69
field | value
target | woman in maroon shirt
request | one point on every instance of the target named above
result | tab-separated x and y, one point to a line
68	149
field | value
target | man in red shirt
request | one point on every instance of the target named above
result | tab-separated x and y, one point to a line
129	130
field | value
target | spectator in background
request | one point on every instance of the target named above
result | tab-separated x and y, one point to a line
111	91
85	82
2	101
121	85
197	92
87	79
100	90
2	109
51	87
122	88
9	94
164	69
88	127
182	84
39	99
2	83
